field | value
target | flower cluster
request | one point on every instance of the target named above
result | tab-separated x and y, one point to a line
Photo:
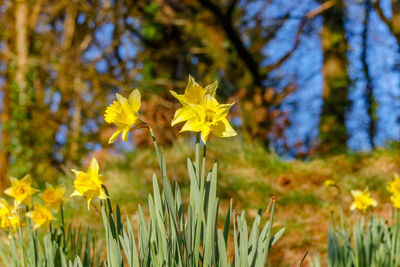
363	200
394	188
201	112
22	191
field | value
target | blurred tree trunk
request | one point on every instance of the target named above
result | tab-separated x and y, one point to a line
369	95
5	138
21	47
333	132
19	77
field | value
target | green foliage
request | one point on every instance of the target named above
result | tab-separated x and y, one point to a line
28	248
187	235
375	244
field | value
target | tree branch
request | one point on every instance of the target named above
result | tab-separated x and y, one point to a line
311	14
378	8
225	20
388	23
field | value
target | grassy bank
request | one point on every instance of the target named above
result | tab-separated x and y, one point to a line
251	176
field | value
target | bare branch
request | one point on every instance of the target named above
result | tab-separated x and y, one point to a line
226	22
310	15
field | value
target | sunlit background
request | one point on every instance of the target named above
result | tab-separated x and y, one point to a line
311	79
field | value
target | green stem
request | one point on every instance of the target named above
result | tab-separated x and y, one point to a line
62	214
198	157
155	146
62	224
203	167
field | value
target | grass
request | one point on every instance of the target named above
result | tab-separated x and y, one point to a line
251	176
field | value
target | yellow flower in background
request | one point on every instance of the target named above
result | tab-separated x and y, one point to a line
53	197
21	190
5	213
329	182
193	94
210	117
395	198
394	186
124	114
41	215
88	184
362	200
11	221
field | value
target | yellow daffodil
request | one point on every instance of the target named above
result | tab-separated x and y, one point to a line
329	182
53	197
41	215
89	184
394	186
124	114
395	198
193	94
6	214
11	221
21	190
210	117
362	200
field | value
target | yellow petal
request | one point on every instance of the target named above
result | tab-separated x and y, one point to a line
61	187
224	129
211	89
48	185
114	136
135	100
194	92
93	169
356	192
209	102
122	100
27	179
182	114
179	97
76	193
88	202
353	206
13	180
193	125
125	133
8	191
204	134
223	109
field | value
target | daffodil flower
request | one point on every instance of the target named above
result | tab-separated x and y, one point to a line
395	198
124	114
41	215
329	182
394	186
210	117
193	94
53	197
8	217
89	184
21	190
362	200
